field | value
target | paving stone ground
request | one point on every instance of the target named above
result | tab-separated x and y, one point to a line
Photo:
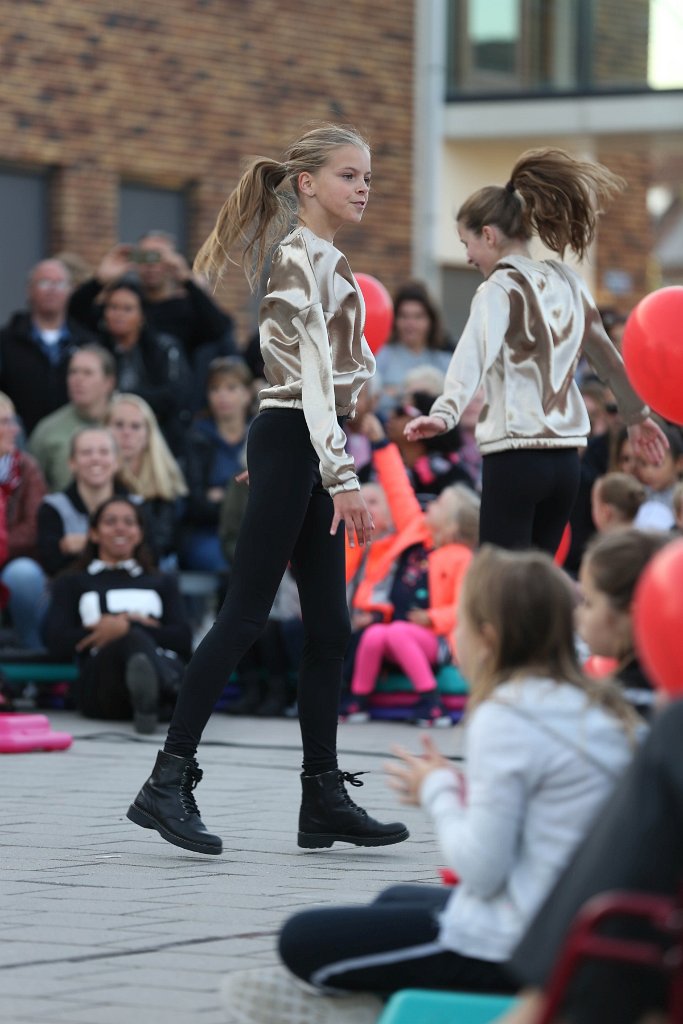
102	922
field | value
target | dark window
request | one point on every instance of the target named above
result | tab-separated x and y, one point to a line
23	230
143	208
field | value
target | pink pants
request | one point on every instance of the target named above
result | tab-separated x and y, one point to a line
413	648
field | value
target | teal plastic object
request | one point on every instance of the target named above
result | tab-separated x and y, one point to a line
421	1006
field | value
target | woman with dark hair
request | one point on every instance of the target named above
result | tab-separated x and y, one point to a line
417	340
148	363
122	620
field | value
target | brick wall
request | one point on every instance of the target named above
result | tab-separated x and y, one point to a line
176	93
625	237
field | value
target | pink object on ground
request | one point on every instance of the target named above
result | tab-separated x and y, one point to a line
22	733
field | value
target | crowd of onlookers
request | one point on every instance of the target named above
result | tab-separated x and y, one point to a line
130	383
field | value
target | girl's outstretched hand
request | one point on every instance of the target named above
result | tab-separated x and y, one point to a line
649	441
424	426
408	773
350	507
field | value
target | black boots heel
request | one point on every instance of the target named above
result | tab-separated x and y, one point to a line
166	803
329	815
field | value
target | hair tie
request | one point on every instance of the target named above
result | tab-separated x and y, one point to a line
510	187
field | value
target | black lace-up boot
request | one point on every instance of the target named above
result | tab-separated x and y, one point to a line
166	802
329	815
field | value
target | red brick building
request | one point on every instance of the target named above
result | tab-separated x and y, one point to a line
174	94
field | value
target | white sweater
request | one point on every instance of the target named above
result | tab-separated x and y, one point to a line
540	762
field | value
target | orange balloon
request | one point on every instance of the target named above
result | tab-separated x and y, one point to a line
658	618
379	310
653	351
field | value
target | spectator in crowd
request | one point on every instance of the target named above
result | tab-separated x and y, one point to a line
404	598
175	299
63	516
656	512
122	620
634	845
37	343
357	444
610	569
21	490
213	456
417	338
615	500
148	469
432	463
544	749
148	363
678	506
91	379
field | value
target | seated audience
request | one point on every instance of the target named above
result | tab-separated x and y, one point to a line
432	463
405	600
634	845
175	300
610	570
148	469
544	749
37	344
417	338
677	502
213	456
122	620
656	512
148	363
63	516
91	379
21	490
615	500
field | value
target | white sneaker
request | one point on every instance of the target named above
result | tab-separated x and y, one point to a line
271	995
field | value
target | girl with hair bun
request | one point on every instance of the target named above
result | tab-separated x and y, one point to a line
302	482
530	322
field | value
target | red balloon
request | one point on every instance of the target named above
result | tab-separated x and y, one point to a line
379	310
564	545
653	351
658	618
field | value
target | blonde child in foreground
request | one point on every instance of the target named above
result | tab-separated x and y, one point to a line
544	748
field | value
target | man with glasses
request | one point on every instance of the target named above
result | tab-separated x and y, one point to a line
37	343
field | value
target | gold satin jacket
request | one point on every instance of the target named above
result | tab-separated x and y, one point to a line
316	358
529	324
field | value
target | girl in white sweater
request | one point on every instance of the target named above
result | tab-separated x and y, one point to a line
544	747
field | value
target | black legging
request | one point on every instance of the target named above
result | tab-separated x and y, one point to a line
381	948
288	518
527	495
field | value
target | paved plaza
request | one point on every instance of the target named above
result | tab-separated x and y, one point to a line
105	923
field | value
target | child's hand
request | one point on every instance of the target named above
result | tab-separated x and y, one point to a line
649	441
407	775
420	616
424	426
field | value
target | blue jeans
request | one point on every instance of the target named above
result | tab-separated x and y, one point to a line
28	599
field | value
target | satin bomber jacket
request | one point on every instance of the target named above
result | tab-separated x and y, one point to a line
316	357
530	322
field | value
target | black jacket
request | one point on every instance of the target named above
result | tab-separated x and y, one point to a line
36	386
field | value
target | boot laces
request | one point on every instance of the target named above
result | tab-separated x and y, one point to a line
353	780
192	776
